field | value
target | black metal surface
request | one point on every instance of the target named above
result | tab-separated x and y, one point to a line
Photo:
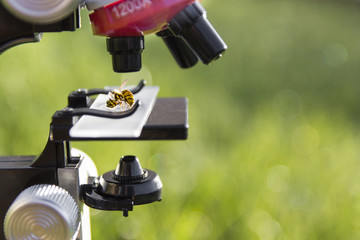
141	191
53	155
191	23
129	169
14	31
97	201
126	53
128	185
180	50
167	121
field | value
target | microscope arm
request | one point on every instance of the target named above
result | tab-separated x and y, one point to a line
15	31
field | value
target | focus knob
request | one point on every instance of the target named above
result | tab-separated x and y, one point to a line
42	212
44	11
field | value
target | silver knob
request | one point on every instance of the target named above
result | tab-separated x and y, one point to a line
42	212
44	11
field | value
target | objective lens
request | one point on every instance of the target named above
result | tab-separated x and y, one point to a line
181	51
126	53
191	23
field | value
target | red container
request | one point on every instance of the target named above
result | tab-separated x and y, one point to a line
135	17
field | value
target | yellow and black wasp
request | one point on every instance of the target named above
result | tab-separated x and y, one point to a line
120	97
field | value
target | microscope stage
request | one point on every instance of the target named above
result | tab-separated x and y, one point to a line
127	127
154	119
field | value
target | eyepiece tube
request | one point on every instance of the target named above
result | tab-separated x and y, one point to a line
183	54
126	53
191	23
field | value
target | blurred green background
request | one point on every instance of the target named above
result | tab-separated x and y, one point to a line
273	149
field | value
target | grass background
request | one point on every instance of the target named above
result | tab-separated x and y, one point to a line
273	148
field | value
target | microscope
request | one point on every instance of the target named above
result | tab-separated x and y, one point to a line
48	196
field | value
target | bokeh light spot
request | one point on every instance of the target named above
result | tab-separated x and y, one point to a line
335	55
264	226
287	104
305	139
278	178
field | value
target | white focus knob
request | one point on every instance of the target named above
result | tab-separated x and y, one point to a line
42	212
43	11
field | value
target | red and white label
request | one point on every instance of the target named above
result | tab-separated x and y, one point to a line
130	6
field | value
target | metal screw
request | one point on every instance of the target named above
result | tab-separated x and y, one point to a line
68	110
81	90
